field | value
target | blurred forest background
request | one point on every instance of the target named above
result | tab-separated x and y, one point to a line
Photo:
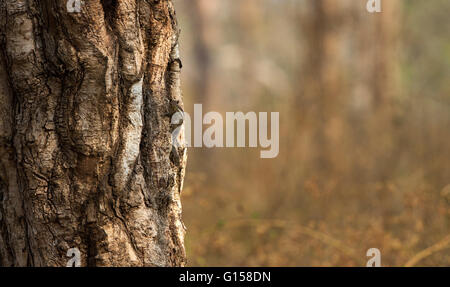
364	102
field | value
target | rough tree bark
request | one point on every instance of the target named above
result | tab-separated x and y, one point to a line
85	134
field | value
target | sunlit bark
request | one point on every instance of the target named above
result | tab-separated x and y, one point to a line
85	135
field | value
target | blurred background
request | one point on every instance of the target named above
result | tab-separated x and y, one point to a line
364	103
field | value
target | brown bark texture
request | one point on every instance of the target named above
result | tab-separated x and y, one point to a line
86	158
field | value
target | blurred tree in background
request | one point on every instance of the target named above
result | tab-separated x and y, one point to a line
364	132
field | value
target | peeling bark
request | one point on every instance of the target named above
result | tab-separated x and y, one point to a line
85	136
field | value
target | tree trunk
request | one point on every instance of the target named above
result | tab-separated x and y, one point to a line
85	134
349	74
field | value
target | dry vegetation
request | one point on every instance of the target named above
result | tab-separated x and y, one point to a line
364	132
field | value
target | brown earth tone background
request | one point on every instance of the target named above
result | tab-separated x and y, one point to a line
364	132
